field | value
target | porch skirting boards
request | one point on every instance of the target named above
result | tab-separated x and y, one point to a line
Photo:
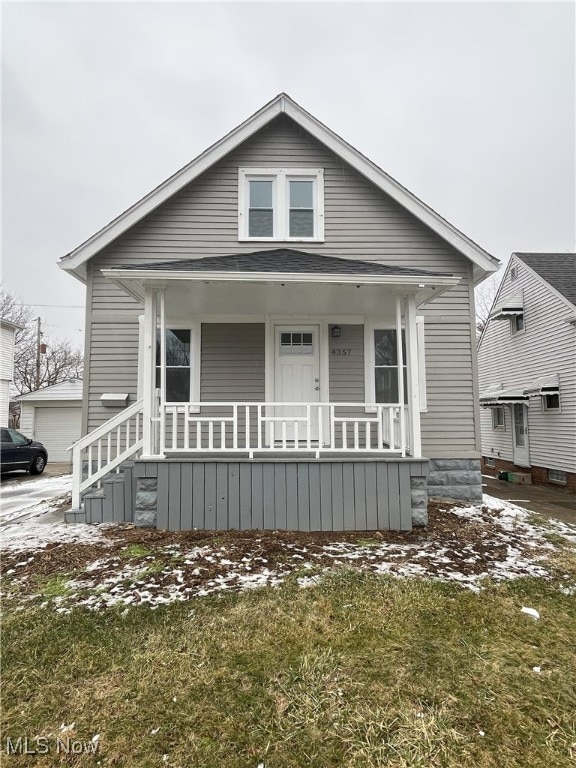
281	494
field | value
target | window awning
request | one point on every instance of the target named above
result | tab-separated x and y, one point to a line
513	305
495	396
521	393
544	385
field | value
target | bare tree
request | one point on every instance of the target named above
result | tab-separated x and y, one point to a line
59	361
485	294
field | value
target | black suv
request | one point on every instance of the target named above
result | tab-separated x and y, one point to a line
19	452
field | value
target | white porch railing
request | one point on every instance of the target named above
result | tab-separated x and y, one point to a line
248	428
105	449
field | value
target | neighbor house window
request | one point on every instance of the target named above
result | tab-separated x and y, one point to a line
551	402
498	417
490	461
181	365
557	476
514	273
281	204
386	366
516	324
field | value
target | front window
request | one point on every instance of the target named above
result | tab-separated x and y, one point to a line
261	208
178	364
281	204
301	208
386	366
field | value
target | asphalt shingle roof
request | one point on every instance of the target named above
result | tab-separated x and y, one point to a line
284	260
558	269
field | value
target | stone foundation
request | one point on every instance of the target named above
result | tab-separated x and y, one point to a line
146	505
458	479
419	501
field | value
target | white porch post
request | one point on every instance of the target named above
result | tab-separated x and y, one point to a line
149	366
413	380
400	361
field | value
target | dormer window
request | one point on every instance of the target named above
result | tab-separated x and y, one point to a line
281	204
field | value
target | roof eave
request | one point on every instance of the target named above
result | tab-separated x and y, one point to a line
134	281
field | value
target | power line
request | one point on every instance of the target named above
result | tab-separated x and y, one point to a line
59	306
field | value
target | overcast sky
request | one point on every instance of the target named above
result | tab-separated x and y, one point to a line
470	106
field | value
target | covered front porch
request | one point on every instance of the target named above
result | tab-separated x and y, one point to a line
271	356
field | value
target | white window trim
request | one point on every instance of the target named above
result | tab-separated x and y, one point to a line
546	409
495	426
281	177
195	343
370	359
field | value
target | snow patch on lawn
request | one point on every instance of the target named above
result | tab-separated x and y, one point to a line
502	544
32	535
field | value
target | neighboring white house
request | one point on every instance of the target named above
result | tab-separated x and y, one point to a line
53	416
527	370
7	335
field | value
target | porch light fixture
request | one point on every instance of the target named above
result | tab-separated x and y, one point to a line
336	331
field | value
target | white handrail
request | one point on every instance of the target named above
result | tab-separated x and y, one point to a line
114	445
320	427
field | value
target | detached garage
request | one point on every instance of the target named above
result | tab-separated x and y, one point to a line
53	416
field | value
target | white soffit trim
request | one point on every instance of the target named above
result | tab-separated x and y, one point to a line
483	261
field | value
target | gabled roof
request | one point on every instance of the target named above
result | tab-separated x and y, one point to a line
558	269
65	390
282	104
283	260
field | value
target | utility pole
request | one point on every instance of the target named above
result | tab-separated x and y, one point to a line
38	338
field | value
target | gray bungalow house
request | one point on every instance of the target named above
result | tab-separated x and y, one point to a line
278	336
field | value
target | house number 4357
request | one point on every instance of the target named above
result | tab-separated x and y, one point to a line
340	352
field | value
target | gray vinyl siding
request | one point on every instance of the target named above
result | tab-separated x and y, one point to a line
361	222
547	346
232	367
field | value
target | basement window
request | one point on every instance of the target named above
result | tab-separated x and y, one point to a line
490	461
557	476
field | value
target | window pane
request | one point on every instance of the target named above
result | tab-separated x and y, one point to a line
386	385
307	338
301	223
286	338
177	346
301	194
296	338
177	384
260	223
385	350
260	194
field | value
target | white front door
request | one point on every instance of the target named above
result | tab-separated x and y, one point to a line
296	378
520	435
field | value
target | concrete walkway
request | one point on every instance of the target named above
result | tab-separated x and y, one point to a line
547	500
